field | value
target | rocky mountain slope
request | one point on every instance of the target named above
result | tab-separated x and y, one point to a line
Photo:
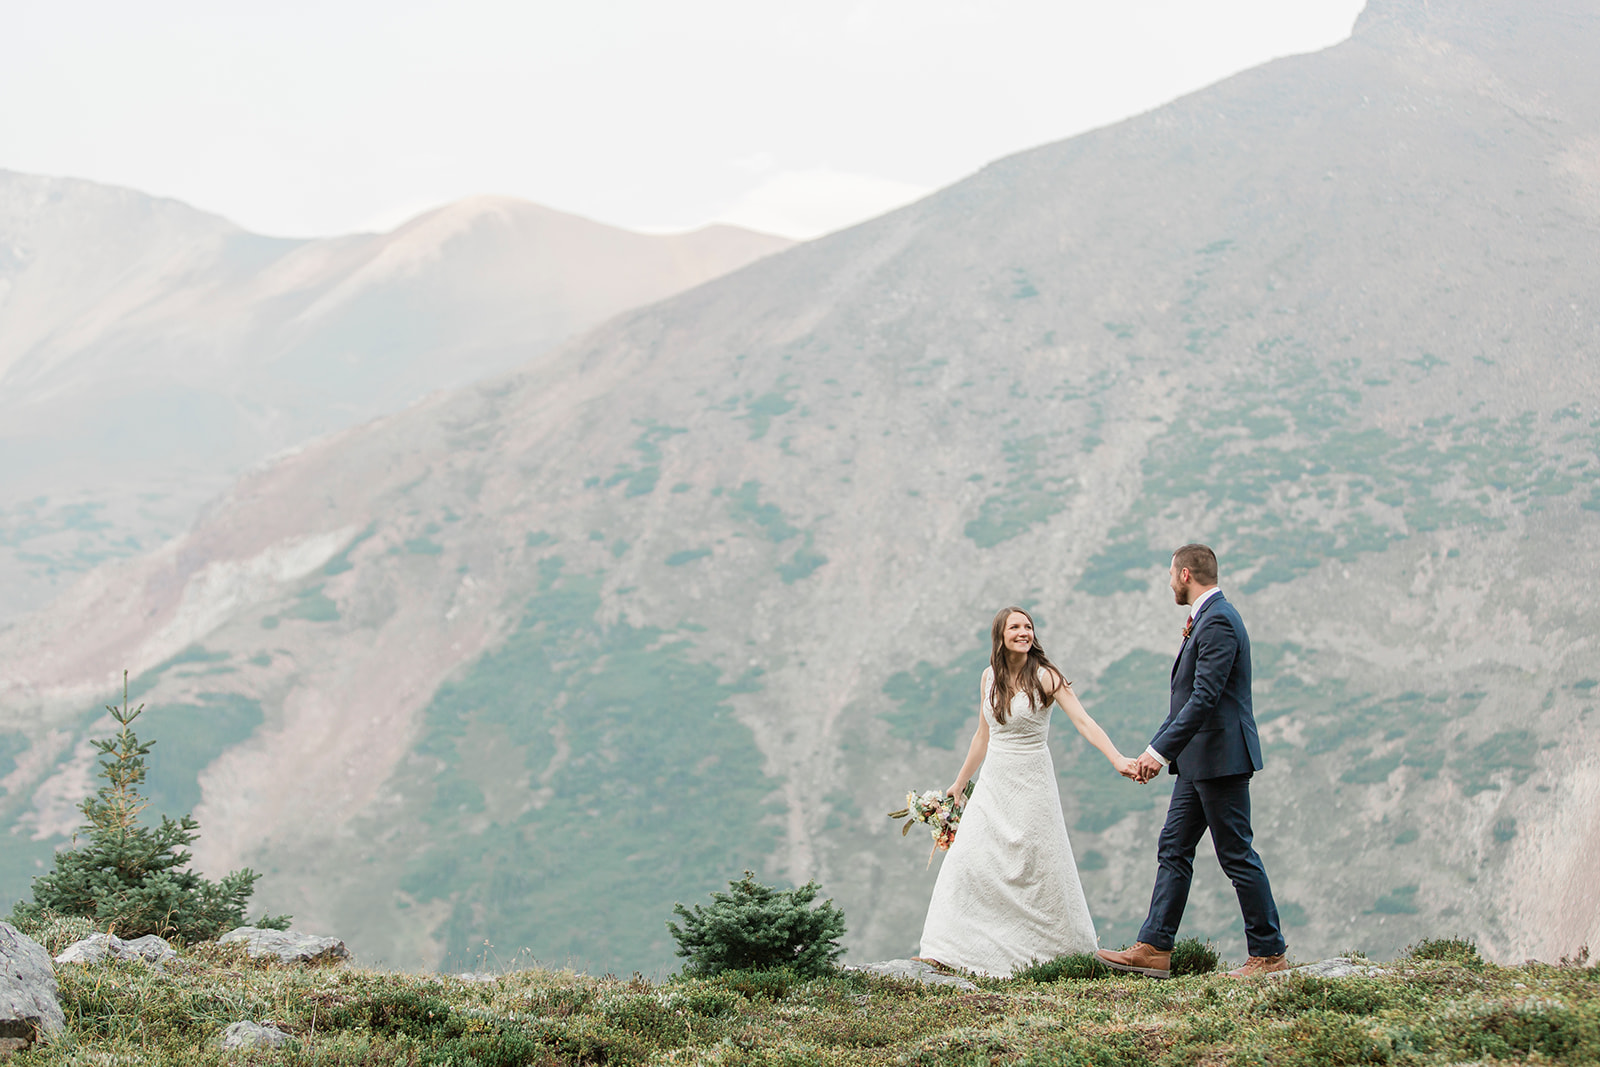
706	589
149	352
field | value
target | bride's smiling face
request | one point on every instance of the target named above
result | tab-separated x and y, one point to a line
1019	633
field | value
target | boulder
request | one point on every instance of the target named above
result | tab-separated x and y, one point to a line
98	948
916	971
1338	967
30	1008
246	1034
286	946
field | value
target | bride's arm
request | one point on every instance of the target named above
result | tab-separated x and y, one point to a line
975	751
1086	725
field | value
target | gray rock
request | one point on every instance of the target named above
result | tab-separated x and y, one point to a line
246	1034
30	1008
98	948
152	949
1338	967
916	971
286	946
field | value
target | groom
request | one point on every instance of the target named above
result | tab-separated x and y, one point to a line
1209	742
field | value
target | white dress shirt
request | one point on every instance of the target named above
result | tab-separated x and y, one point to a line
1194	609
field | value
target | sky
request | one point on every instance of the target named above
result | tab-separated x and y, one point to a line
315	117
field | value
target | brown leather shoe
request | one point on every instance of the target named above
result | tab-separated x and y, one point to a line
1261	965
1140	959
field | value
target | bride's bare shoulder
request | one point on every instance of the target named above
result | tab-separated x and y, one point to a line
1053	681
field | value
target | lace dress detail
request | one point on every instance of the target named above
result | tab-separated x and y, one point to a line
1008	891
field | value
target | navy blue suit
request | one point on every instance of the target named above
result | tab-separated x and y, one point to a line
1210	741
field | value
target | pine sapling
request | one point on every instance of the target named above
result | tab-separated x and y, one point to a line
757	927
133	879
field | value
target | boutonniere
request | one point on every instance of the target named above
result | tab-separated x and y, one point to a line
1188	627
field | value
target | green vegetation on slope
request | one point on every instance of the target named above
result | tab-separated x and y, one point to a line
190	736
1287	477
1029	495
640	480
584	776
744	504
938	705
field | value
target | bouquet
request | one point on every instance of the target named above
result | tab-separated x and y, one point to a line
941	811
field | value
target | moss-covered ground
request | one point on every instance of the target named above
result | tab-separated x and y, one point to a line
1445	1010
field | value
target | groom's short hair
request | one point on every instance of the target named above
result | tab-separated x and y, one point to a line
1201	561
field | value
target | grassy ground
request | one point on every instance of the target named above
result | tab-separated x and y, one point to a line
1450	1009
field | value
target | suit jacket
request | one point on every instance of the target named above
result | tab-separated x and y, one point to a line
1211	727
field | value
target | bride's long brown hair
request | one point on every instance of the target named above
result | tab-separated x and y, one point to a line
1006	685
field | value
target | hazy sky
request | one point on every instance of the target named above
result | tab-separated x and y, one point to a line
307	118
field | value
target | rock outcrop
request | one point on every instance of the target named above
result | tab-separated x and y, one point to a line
30	1010
286	946
247	1034
914	970
99	948
1338	967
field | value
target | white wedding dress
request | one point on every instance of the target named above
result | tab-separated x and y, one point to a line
1008	891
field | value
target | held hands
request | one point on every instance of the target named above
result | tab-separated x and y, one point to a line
1140	770
1146	768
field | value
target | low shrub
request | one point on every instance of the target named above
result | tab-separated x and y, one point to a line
646	1016
1451	949
1298	994
1079	965
1548	1028
756	927
1193	956
1328	1039
498	1048
758	985
52	929
561	1001
392	1011
705	1003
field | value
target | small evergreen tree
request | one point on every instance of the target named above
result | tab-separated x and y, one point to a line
756	927
131	879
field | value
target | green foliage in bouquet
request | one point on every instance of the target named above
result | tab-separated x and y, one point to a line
757	928
132	879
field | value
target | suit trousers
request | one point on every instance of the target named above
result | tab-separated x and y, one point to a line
1221	805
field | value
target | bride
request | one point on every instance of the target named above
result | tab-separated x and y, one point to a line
1008	891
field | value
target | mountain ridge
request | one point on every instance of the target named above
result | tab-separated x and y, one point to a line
150	352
